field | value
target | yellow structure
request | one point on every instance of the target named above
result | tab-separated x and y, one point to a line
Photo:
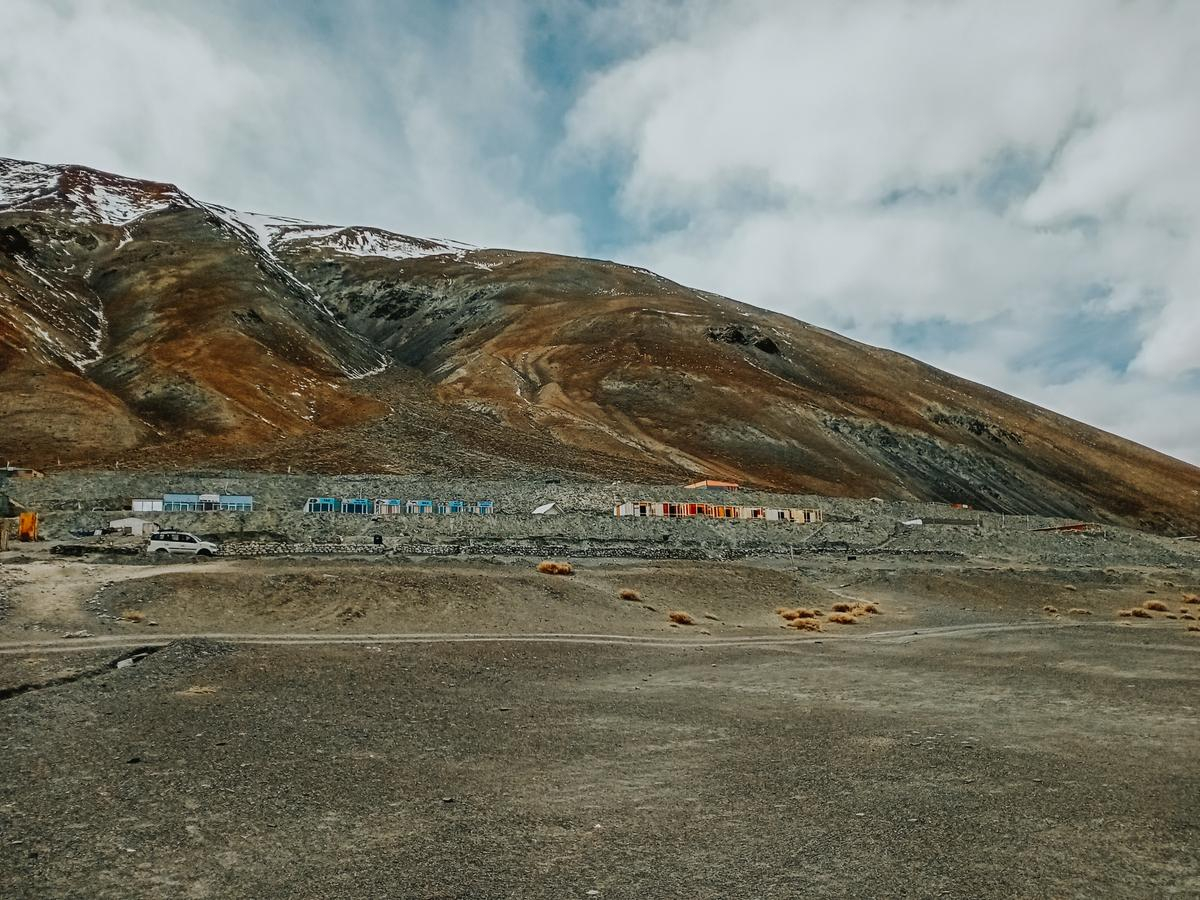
27	527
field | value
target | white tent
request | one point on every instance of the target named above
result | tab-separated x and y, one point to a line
135	526
548	509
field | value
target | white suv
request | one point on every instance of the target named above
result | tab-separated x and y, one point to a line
180	542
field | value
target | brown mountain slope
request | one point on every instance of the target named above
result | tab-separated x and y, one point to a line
198	335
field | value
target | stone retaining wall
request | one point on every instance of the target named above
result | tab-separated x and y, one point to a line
256	548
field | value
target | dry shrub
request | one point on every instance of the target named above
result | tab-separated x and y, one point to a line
1191	598
1187	615
1125	613
803	613
843	607
1193	628
1171	616
780	610
631	595
1156	605
681	618
1050	609
870	608
790	614
1078	611
805	624
133	615
841	618
547	567
1140	612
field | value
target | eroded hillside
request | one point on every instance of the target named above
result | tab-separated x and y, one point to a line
139	324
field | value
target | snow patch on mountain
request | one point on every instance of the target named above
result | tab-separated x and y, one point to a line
273	232
114	206
21	182
363	241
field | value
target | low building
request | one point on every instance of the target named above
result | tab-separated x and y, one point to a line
148	505
419	507
671	510
358	506
481	508
709	484
389	507
322	505
11	471
201	503
548	509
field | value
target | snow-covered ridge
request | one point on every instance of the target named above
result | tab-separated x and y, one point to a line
274	232
93	197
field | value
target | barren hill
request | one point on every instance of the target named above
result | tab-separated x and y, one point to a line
141	325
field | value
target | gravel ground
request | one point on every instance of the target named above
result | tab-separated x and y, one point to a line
1056	763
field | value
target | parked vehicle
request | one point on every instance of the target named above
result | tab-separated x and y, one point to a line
180	542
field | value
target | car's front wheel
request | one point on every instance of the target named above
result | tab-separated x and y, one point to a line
162	550
204	552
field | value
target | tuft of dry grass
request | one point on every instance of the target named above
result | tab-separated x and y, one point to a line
680	618
805	624
1187	615
1078	611
133	615
631	595
548	567
1170	616
1125	613
1193	628
1155	605
803	613
197	690
1191	598
843	607
780	610
1050	609
841	618
1140	612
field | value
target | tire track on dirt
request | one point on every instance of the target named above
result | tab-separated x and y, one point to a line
104	642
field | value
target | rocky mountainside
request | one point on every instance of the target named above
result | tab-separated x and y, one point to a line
141	326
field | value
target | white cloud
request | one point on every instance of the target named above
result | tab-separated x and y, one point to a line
1018	172
383	128
873	164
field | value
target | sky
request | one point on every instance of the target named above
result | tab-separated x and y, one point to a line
1009	191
